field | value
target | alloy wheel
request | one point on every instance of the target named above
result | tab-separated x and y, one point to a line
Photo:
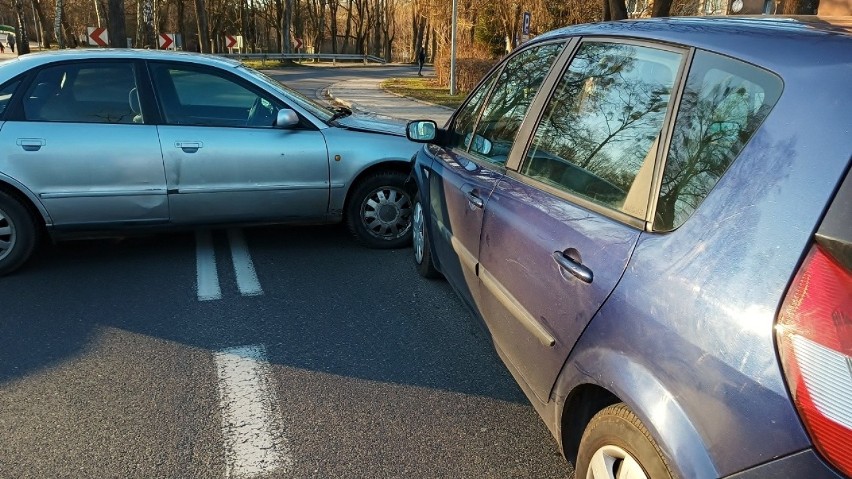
7	235
418	233
613	462
386	212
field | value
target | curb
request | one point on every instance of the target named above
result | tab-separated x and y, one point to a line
422	102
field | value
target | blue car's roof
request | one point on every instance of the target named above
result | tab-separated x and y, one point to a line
772	41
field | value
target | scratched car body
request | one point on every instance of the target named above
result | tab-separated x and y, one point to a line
117	140
653	219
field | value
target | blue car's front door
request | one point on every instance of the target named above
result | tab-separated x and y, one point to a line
465	172
558	232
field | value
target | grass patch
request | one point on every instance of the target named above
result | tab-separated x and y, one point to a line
424	89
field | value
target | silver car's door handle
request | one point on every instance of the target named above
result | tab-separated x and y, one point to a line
475	200
576	268
189	146
31	144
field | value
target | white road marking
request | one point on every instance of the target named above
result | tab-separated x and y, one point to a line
254	441
243	266
208	276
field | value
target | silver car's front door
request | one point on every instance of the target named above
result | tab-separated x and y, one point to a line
78	141
224	159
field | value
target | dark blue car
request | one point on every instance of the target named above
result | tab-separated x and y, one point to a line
653	219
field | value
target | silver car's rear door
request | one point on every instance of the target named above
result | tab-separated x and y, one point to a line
79	144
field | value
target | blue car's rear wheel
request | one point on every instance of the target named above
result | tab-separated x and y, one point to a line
617	445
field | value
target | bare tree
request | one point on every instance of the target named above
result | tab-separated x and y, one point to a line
115	19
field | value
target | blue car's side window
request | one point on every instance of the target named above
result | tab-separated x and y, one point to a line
724	102
507	105
599	132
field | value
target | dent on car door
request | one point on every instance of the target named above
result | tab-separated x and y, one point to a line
481	137
558	233
225	160
77	139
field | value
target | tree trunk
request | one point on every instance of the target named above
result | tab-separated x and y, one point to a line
287	43
99	14
118	33
57	24
617	10
42	22
203	35
661	8
799	7
21	36
333	6
348	31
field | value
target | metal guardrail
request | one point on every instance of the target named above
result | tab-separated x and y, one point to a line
333	57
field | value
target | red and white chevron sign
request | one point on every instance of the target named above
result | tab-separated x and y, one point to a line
166	40
230	41
98	36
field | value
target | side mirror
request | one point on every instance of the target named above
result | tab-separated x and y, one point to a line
286	118
478	144
421	131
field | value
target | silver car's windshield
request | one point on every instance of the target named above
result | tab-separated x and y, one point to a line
304	102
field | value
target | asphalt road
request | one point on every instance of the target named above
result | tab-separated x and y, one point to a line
313	81
114	361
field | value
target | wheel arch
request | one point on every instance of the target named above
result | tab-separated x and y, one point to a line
28	199
393	164
594	378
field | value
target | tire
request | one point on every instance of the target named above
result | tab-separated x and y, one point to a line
616	444
378	212
420	239
18	234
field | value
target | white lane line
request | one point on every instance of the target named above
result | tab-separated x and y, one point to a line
208	277
243	266
254	441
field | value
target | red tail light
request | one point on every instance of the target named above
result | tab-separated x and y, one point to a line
814	334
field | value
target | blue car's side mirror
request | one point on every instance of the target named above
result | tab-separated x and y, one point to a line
421	131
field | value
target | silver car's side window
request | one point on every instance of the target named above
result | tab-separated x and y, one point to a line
84	92
191	95
599	132
724	102
505	109
6	93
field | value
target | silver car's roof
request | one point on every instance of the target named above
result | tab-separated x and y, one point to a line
38	58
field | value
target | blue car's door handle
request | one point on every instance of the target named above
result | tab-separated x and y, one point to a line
576	268
475	200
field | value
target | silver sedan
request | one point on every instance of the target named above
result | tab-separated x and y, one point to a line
95	142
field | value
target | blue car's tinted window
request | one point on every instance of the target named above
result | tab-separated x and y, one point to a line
599	133
724	102
505	108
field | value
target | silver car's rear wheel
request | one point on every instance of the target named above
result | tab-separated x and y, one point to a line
18	234
379	211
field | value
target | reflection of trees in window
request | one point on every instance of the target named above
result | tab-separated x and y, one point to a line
723	104
603	119
466	117
515	90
